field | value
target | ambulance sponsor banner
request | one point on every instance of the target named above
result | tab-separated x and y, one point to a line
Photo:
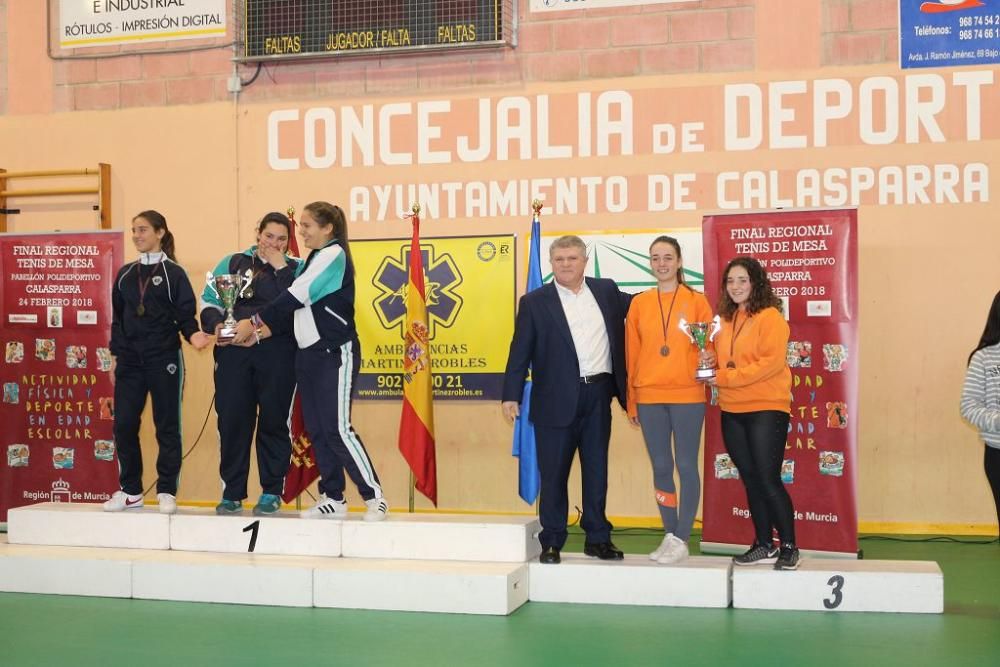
811	258
58	409
469	283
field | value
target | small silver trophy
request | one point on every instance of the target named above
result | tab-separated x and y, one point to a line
701	334
228	287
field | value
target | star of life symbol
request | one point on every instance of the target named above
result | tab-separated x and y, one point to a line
441	278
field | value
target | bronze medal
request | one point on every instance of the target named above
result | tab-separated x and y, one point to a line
140	310
665	322
732	341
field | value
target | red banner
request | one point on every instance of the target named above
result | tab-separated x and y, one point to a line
58	409
811	258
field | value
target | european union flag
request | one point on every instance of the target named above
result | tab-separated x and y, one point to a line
524	431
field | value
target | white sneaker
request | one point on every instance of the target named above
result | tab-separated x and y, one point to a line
655	555
676	551
326	508
377	509
168	503
121	501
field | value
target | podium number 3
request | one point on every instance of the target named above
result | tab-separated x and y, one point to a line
837	582
253	528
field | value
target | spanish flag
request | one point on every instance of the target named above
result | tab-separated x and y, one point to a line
416	425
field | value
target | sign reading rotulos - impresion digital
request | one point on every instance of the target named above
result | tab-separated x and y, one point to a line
84	23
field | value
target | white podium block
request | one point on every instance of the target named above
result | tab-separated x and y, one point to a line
501	539
280	581
87	525
428	586
699	581
838	585
65	571
279	534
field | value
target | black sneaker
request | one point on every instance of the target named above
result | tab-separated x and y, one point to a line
788	559
758	554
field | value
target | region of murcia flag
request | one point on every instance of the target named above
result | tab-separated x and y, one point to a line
416	425
302	469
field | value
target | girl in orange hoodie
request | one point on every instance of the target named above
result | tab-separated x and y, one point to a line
755	387
664	398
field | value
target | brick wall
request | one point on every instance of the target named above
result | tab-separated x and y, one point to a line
860	32
704	36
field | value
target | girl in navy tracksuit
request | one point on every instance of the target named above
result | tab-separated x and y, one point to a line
326	365
254	384
152	301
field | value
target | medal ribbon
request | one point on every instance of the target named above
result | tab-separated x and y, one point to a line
732	341
665	322
143	284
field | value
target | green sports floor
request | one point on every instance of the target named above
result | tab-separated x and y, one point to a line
50	631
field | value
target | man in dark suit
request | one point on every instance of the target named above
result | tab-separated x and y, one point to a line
571	332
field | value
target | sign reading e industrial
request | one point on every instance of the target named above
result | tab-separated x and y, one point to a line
948	33
562	5
84	23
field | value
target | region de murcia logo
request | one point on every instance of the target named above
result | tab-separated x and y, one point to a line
441	278
60	491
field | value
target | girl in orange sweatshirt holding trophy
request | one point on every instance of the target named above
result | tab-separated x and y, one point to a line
755	387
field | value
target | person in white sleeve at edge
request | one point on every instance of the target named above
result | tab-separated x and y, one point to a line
981	396
321	300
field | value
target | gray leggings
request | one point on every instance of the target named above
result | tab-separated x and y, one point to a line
684	421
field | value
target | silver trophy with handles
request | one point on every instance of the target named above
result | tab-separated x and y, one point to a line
228	287
701	334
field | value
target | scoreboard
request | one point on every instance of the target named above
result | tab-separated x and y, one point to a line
300	28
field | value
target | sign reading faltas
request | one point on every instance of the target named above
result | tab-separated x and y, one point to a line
84	23
561	5
469	283
57	413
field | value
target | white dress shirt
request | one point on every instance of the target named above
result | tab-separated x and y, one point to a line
586	325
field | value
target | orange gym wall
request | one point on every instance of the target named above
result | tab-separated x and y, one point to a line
179	142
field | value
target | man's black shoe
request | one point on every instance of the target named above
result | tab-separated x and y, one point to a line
603	550
550	556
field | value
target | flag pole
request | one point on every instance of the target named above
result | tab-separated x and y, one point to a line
415	210
536	207
413	485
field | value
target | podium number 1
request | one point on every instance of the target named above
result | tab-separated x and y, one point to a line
837	581
255	526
